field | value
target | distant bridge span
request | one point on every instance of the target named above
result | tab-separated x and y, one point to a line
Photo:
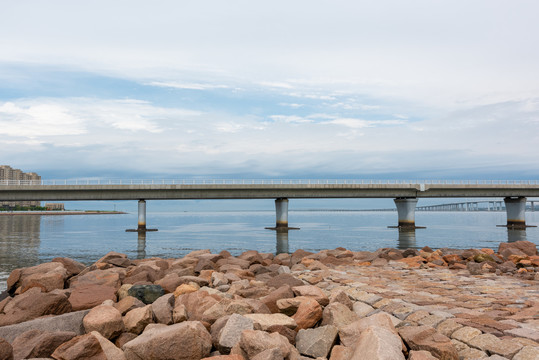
405	193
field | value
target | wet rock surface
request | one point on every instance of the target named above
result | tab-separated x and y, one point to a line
334	304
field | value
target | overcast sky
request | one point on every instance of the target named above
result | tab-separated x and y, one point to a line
275	89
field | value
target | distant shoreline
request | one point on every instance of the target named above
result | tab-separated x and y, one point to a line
68	212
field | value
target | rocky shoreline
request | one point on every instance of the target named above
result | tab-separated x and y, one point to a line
334	304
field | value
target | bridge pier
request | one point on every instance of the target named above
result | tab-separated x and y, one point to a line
515	207
406	212
281	215
141	218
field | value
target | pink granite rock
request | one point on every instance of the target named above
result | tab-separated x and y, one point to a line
271	299
253	342
128	303
33	304
47	276
104	319
308	314
526	247
341	297
196	303
89	295
350	333
378	343
91	346
137	319
339	315
313	292
427	338
187	340
39	344
73	267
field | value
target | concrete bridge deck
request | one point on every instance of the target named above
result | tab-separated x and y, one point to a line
269	190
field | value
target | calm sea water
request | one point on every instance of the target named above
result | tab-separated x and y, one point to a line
30	240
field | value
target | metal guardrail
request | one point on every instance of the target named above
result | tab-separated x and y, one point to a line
261	182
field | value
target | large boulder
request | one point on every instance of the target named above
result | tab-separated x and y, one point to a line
104	319
378	343
270	300
33	304
284	279
187	340
350	334
91	346
525	247
196	303
338	314
162	309
427	338
264	321
313	292
86	296
73	267
70	322
253	342
128	303
308	314
39	344
115	259
316	342
137	319
146	293
230	333
46	276
109	277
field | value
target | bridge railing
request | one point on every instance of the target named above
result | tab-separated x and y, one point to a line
262	182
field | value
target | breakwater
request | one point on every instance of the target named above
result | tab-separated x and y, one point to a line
339	304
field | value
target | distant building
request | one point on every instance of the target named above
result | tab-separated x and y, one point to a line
8	174
55	206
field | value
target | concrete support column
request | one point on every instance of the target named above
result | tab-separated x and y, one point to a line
281	216
516	211
141	215
406	212
141	218
281	211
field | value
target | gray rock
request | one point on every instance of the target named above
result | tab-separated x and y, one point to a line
378	343
362	309
230	334
527	353
66	322
316	342
146	293
338	315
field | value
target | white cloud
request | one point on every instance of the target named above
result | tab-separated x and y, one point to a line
38	120
187	86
